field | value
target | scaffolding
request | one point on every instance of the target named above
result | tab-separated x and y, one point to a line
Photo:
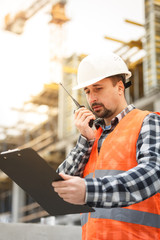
152	46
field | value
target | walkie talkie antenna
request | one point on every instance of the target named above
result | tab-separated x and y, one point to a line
77	104
74	100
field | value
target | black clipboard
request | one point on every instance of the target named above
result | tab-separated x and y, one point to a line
35	176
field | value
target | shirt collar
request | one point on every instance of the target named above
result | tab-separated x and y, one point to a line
99	122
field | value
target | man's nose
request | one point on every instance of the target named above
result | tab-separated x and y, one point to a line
92	98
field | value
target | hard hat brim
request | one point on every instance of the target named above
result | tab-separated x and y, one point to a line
92	81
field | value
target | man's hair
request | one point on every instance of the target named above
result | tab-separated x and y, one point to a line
117	78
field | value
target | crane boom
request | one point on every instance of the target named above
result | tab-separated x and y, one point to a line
16	23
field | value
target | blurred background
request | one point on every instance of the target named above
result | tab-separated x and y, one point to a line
42	43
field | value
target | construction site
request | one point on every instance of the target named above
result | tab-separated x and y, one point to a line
55	135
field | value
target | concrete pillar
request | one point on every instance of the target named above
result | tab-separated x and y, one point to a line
18	201
156	105
127	96
136	84
60	113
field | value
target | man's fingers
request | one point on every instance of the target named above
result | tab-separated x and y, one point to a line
59	184
67	196
60	191
62	184
72	189
64	193
82	117
61	194
83	112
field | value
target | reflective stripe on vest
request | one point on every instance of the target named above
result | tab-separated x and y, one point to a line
124	215
121	214
117	155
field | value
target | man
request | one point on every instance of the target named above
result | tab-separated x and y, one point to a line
115	168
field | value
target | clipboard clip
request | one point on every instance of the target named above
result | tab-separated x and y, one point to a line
9	151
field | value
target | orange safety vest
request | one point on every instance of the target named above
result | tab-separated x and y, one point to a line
118	154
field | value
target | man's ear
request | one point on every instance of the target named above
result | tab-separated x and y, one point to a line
121	87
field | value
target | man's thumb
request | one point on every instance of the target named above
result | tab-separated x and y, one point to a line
65	176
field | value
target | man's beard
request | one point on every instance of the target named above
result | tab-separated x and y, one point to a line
105	113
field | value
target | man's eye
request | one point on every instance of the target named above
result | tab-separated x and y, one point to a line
98	89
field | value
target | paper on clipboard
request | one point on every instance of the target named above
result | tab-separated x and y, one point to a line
33	174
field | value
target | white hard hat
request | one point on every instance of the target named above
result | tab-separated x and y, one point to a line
94	68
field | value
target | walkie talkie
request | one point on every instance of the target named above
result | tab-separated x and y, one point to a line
77	104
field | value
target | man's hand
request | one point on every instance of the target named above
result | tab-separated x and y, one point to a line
82	118
72	189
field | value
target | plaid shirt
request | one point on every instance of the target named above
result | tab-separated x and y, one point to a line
124	189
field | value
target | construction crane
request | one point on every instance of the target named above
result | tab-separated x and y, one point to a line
130	48
58	13
130	44
134	23
16	23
